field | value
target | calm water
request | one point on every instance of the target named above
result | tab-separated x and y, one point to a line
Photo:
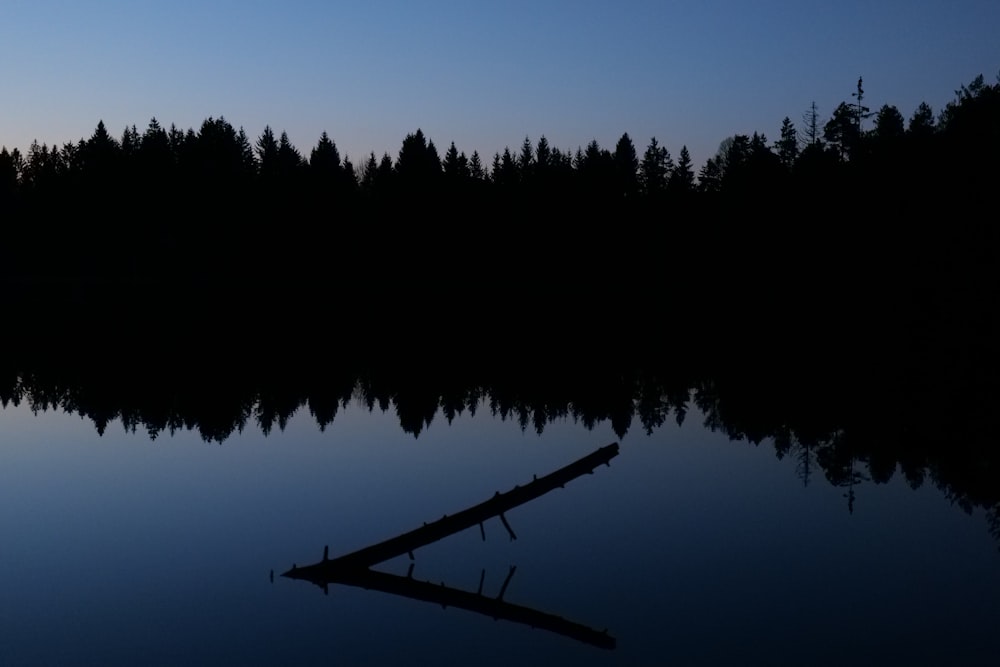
689	549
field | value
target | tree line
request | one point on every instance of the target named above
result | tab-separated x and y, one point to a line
219	162
862	218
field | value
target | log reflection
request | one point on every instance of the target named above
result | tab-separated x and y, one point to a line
354	569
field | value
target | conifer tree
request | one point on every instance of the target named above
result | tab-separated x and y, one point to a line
655	168
289	158
248	162
451	164
810	120
325	158
889	124
626	166
543	154
526	160
788	144
682	177
8	176
922	121
476	170
369	173
267	153
710	177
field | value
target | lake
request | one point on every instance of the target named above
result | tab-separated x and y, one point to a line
690	548
209	381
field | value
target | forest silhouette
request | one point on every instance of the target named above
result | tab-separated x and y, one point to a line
834	290
863	218
165	206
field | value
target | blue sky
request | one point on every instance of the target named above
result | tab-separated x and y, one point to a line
482	75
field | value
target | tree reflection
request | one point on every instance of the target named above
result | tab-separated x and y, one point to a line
850	433
790	298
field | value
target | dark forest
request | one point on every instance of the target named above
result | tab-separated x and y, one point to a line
835	289
165	204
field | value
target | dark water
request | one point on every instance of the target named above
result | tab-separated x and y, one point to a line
832	497
689	549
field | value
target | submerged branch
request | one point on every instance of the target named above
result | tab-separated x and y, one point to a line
353	569
449	525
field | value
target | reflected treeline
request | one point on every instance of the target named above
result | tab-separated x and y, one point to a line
165	395
835	290
843	417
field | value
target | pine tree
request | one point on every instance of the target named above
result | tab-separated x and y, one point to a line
8	175
130	142
922	121
101	153
626	166
348	175
811	121
248	161
267	153
788	144
710	177
526	160
842	130
476	170
655	168
325	158
889	124
505	173
860	111
386	170
451	164
369	173
289	158
154	159
682	177
418	164
543	154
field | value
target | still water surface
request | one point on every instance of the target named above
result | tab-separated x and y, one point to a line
689	549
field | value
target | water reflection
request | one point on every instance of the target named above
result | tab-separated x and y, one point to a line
354	569
852	428
719	541
690	548
496	608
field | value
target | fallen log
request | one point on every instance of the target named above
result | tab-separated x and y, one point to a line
429	533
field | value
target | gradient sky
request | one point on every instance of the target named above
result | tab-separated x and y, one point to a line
483	75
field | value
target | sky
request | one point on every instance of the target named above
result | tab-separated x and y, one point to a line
482	75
